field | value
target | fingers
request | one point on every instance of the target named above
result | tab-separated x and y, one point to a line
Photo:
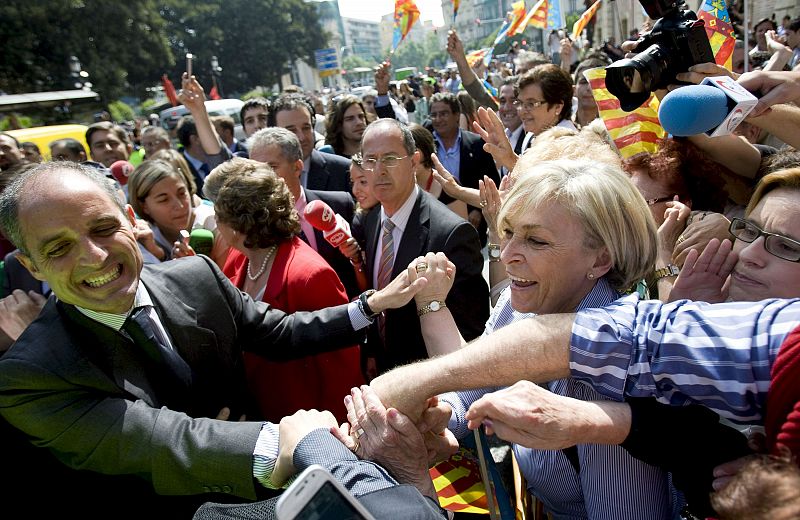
225	413
440	169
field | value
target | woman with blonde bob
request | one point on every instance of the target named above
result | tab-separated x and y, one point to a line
574	234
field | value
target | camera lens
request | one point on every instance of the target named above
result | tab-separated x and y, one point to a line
632	80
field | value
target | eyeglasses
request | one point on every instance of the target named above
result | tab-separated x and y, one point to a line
668	198
388	161
437	115
528	105
783	247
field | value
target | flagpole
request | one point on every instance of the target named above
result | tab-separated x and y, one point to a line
745	29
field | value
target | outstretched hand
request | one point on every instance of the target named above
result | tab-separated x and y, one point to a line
491	129
192	95
704	276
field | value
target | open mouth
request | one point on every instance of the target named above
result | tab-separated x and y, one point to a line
521	282
99	281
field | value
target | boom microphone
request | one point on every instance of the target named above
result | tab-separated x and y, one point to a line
335	229
715	107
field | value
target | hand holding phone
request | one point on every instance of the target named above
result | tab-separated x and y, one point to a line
189	57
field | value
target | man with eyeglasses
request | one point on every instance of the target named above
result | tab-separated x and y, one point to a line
509	115
411	223
460	151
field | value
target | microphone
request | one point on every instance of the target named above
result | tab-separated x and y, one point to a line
714	107
335	229
202	241
121	170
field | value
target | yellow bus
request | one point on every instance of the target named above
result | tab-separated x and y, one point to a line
44	135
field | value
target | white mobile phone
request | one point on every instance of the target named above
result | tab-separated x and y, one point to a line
189	57
317	495
185	236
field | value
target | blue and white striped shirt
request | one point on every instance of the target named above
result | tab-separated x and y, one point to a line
611	484
719	355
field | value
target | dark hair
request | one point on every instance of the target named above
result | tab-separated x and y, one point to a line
589	63
253	103
292	101
556	85
108	126
30	145
225	122
334	134
185	130
794	25
73	145
449	99
771	23
467	105
423	139
16	142
254	201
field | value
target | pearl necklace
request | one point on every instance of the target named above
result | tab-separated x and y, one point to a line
254	277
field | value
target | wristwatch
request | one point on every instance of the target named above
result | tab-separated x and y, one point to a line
364	306
494	252
669	270
431	307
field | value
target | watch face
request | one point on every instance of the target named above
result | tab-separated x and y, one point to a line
435	306
494	253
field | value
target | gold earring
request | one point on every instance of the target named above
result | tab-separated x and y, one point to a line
590	276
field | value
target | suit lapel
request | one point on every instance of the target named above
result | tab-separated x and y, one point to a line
372	228
415	236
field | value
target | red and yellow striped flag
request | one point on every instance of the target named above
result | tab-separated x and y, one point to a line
632	132
719	30
537	16
481	54
580	24
458	483
406	13
517	17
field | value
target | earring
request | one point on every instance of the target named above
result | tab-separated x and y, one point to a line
590	276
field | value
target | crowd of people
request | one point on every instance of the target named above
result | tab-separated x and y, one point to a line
359	285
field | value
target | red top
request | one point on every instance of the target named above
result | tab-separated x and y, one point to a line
300	280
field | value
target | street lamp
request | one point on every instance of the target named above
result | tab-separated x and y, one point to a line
216	71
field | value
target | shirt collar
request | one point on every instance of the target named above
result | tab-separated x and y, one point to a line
115	321
195	162
456	144
401	216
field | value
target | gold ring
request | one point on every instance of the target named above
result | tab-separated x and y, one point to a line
420	267
483	203
358	445
681	239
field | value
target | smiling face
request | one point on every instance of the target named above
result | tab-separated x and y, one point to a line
361	188
758	274
546	260
444	120
168	204
107	148
538	119
80	243
507	111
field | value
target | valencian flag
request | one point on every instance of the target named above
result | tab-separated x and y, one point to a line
555	19
513	20
484	54
537	16
406	13
580	24
169	90
719	30
632	132
455	9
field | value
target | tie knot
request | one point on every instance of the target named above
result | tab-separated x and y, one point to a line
388	225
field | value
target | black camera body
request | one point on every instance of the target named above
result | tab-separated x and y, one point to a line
677	41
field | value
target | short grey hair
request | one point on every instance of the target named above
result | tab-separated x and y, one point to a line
10	198
281	137
408	138
159	132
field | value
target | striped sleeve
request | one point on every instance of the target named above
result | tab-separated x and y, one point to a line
683	352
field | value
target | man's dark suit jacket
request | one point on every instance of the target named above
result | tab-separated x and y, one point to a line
198	179
343	204
328	172
432	227
79	389
475	163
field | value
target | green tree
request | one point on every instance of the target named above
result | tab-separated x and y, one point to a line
121	111
122	45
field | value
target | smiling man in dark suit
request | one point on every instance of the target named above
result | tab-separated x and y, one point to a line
126	370
411	223
461	151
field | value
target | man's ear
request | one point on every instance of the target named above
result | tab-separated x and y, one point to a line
30	266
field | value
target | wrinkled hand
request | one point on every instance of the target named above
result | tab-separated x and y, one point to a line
773	87
439	273
18	310
192	95
529	415
697	73
704	227
454	46
675	217
382	78
385	436
439	441
292	430
491	129
399	292
704	276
